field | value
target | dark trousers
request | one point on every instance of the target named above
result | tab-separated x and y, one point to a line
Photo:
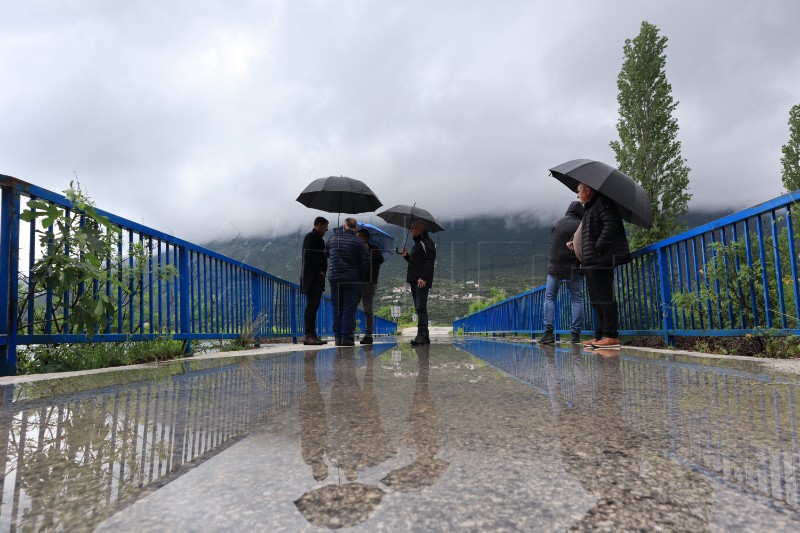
345	296
420	297
312	306
604	305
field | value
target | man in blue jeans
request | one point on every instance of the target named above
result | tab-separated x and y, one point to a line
348	267
562	264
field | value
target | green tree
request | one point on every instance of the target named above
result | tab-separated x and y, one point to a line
648	149
497	296
791	152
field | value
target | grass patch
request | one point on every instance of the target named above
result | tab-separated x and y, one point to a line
89	356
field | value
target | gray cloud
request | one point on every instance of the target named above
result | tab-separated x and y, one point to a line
206	119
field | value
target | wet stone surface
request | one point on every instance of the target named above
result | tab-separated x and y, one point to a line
477	435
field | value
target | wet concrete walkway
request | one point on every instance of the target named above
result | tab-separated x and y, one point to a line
477	434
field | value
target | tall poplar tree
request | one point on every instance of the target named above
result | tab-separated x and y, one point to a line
791	152
648	149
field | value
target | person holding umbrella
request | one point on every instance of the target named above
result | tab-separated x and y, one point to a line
312	278
348	267
368	288
604	247
421	262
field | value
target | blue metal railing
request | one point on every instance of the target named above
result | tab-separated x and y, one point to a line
180	289
734	276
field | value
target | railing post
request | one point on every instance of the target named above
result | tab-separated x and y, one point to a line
185	303
293	307
9	286
666	296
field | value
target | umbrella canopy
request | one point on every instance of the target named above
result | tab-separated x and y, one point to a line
339	194
416	476
404	215
631	199
336	506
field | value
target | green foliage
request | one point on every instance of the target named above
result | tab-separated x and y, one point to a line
648	149
70	357
80	262
497	296
791	152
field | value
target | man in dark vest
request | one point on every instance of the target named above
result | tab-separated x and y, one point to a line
348	267
312	278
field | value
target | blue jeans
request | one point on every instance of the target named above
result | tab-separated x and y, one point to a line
344	296
420	297
575	287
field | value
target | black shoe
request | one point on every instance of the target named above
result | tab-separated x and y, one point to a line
347	342
548	337
576	338
419	340
366	340
337	341
313	341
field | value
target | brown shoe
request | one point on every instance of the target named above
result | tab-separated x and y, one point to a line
313	341
589	343
606	342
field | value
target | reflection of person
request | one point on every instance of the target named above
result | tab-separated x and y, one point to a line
563	265
368	288
348	266
312	277
421	262
313	427
357	439
604	247
423	432
634	486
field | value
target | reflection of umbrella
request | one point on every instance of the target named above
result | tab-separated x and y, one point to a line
417	475
336	506
339	194
632	200
404	215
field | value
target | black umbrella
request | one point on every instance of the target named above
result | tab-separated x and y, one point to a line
404	215
339	194
336	506
631	199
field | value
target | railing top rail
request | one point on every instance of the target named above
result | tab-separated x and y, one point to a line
766	207
30	189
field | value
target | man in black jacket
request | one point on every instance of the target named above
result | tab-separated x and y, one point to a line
604	246
421	262
312	278
562	264
347	269
369	286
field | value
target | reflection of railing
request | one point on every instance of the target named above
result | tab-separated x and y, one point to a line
103	446
733	276
740	426
177	289
736	425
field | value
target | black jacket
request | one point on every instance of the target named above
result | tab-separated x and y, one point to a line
315	263
562	262
375	262
349	257
421	260
604	241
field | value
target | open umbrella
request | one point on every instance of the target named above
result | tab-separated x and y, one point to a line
631	199
339	194
337	506
403	215
381	239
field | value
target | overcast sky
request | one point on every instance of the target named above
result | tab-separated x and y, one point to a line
206	119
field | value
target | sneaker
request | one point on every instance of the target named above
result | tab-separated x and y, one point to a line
547	337
366	340
606	342
576	338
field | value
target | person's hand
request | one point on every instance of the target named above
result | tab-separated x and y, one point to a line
404	252
571	246
421	283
